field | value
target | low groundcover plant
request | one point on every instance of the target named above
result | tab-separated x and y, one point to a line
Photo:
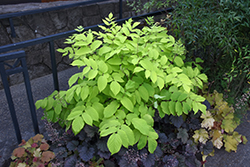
128	75
33	153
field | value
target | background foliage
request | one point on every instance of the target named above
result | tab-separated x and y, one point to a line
216	31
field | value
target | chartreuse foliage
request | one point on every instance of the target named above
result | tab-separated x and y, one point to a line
128	73
218	125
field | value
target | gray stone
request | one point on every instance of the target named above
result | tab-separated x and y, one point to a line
74	18
125	7
47	57
23	33
92	20
126	14
4	38
59	18
38	71
35	56
90	10
105	8
41	23
67	60
63	66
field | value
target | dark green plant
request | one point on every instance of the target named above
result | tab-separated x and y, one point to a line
217	32
128	74
32	153
139	6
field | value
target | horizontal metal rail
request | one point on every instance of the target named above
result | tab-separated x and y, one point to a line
53	37
29	12
10	16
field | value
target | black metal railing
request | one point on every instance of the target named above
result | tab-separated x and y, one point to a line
10	16
47	39
13	69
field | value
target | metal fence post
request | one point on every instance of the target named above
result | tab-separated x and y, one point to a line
10	102
53	64
120	9
29	94
20	56
13	32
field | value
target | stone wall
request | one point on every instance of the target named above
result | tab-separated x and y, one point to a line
43	24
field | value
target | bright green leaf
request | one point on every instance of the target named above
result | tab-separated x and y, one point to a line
115	87
152	144
171	106
92	74
77	125
73	79
58	109
96	44
103	67
165	107
153	76
102	83
129	133
77	63
75	113
186	107
93	113
124	137
178	61
160	83
178	108
141	125
143	93
114	143
104	49
138	69
126	102
111	109
87	119
84	92
110	130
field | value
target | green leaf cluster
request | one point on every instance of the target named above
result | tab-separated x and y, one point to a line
128	74
217	32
